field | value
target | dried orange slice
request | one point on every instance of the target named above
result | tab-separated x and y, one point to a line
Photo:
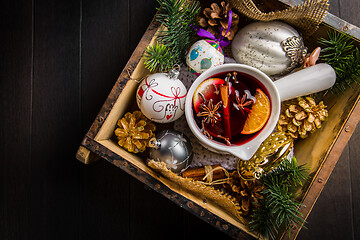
260	113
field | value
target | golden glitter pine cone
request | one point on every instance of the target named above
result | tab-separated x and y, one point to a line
246	192
302	117
216	17
134	132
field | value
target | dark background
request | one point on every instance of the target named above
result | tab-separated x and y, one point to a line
59	60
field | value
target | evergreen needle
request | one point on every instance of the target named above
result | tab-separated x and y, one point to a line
278	209
158	58
340	52
179	18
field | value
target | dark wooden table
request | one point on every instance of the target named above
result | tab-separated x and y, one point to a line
59	60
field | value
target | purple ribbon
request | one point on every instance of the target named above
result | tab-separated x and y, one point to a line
221	40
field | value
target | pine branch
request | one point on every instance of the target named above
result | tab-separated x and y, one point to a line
263	221
291	173
179	19
278	209
279	198
158	58
340	52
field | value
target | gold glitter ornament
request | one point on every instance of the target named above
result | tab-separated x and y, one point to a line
134	131
270	154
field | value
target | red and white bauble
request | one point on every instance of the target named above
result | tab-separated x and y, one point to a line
161	97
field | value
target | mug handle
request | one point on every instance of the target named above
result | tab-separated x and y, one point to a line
245	152
306	81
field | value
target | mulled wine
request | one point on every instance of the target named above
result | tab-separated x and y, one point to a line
231	107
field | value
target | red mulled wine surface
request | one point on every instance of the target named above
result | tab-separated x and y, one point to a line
237	117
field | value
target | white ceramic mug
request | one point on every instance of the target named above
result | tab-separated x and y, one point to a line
309	80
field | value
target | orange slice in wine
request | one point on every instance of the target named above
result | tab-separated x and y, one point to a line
209	89
260	113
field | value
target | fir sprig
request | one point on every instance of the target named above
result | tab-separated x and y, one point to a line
278	209
158	58
262	222
179	18
291	172
340	52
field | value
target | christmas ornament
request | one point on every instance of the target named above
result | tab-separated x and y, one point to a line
173	148
134	131
216	20
272	152
301	117
246	192
161	97
275	48
204	54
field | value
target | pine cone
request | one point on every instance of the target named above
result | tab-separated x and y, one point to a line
246	192
217	17
134	132
302	117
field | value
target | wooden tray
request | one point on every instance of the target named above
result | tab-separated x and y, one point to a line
320	151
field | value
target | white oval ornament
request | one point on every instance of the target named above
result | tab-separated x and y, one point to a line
203	55
161	97
274	48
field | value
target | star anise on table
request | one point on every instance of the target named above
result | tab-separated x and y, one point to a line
244	104
210	112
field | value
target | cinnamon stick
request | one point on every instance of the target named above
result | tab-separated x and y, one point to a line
224	93
199	173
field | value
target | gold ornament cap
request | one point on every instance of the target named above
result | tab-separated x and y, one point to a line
270	154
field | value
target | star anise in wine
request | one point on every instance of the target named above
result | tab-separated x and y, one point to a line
210	112
244	104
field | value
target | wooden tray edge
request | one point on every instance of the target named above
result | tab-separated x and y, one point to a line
182	201
328	166
87	156
123	78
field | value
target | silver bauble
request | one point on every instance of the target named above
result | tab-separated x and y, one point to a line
173	148
274	48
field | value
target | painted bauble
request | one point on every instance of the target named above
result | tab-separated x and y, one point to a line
204	54
173	148
275	48
161	97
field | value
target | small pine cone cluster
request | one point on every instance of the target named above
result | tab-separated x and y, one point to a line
246	192
302	117
217	17
134	132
